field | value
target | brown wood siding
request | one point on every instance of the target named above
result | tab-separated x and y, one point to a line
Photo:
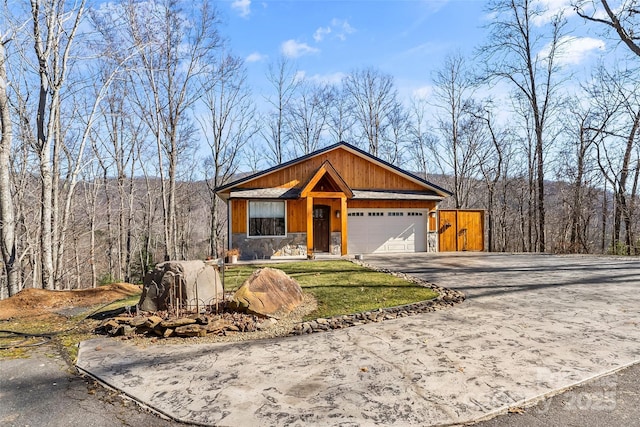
390	204
239	216
297	216
433	222
357	172
461	230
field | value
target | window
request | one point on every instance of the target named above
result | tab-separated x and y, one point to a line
267	219
396	213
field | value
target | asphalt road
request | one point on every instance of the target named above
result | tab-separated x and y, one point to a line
43	390
612	400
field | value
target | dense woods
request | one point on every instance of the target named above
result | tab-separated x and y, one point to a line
119	119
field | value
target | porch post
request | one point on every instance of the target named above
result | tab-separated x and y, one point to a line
343	227
309	227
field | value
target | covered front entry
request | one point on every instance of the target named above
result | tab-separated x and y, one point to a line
387	230
321	228
326	189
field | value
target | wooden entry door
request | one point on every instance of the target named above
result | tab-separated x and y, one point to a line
321	221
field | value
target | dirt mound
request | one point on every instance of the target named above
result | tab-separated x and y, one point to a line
30	302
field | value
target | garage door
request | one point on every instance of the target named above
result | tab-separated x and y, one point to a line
386	230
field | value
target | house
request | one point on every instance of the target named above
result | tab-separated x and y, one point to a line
338	200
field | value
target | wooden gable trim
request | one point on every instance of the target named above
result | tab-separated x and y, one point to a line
326	169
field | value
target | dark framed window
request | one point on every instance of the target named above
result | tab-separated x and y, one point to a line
267	219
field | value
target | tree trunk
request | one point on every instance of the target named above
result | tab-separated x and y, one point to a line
7	218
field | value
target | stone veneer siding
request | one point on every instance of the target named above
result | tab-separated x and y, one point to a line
294	244
334	245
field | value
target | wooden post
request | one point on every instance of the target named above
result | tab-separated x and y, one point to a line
309	227
343	226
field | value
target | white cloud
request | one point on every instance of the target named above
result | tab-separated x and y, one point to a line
550	8
573	50
255	57
294	49
300	76
242	6
340	28
331	78
544	11
321	33
423	92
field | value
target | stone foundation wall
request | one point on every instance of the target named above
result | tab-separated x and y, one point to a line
432	241
294	244
335	243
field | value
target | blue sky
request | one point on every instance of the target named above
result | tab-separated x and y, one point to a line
405	38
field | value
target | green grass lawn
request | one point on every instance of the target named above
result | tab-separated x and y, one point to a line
340	287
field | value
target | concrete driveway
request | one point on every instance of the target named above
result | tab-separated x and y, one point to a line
532	325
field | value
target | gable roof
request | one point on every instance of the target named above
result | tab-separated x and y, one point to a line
439	191
326	169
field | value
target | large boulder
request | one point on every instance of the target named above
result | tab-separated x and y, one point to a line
268	292
190	285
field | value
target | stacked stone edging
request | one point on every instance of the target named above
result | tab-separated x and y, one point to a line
446	298
195	325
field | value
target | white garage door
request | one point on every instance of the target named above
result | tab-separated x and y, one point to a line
386	230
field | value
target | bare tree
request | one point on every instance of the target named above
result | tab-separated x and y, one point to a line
307	117
91	189
227	126
623	19
253	157
54	30
395	142
283	77
616	99
7	218
457	128
490	156
341	120
421	138
174	49
577	167
373	97
525	55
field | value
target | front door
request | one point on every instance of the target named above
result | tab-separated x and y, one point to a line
321	221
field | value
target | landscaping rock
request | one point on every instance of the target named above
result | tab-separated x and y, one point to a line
176	322
197	325
266	324
193	330
194	284
201	319
137	321
268	292
152	322
218	326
